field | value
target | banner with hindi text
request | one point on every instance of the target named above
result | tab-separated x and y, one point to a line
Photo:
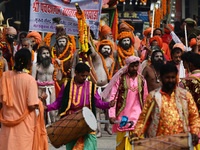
43	11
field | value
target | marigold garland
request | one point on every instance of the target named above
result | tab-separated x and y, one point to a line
72	38
32	59
47	39
1	67
109	75
60	57
11	58
83	38
121	56
144	1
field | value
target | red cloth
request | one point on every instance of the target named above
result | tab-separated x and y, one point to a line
166	38
167	31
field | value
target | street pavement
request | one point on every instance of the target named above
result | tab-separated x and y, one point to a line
106	142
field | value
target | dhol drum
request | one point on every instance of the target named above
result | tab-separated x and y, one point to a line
72	127
182	141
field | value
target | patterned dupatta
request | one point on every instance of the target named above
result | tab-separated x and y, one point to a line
182	106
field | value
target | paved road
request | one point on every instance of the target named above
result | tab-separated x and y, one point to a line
106	142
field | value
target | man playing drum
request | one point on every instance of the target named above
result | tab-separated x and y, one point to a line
172	109
74	95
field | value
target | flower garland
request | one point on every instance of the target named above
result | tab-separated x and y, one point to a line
83	38
11	58
144	1
164	7
72	38
1	67
61	56
82	31
121	56
47	39
150	18
109	75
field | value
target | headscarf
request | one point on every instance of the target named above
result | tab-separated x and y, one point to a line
105	30
123	35
107	91
167	31
147	31
158	39
179	45
11	30
36	35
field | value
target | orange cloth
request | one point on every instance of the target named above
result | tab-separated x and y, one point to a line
158	39
167	51
21	133
36	35
129	25
147	31
136	43
144	41
179	45
6	91
193	42
105	30
167	31
123	35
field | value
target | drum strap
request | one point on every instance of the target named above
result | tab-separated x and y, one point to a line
85	93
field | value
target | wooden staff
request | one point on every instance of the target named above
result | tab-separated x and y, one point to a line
186	40
153	18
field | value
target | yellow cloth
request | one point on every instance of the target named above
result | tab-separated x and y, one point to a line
122	141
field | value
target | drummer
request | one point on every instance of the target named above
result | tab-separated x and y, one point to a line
74	95
174	110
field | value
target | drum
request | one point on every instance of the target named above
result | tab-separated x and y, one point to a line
71	127
182	141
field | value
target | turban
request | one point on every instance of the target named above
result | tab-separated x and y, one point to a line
158	39
106	93
179	45
11	30
193	42
105	30
107	42
130	26
167	31
147	31
123	35
36	35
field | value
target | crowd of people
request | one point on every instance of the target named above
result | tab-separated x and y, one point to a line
155	82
